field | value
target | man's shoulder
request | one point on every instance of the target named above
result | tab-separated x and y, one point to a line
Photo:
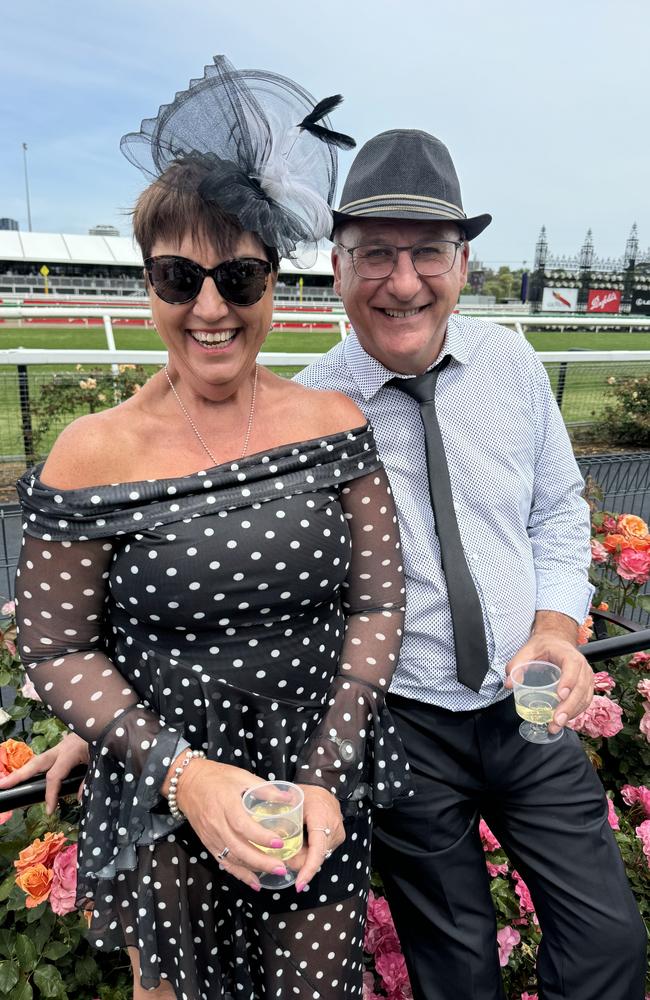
486	341
328	372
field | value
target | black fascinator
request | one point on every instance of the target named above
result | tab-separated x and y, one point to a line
266	151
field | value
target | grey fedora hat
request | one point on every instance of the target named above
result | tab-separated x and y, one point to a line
405	174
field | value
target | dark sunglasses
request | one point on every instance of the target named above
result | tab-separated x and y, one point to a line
177	280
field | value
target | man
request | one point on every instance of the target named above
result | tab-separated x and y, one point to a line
513	589
511	530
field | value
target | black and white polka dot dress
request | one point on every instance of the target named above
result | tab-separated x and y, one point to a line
253	610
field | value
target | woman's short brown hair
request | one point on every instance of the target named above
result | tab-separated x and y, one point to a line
171	208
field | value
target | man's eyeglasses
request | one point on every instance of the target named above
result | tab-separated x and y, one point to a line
177	280
378	260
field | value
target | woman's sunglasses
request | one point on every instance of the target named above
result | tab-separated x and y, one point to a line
177	280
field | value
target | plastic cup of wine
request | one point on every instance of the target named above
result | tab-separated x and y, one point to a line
536	698
277	806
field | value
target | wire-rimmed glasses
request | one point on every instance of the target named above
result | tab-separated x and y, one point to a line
430	258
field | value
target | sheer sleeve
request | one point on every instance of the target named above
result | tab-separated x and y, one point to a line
355	750
61	593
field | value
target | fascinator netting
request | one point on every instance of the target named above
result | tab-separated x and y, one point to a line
265	148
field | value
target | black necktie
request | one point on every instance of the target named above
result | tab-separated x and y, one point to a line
469	631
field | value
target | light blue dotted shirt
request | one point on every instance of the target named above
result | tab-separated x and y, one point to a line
517	494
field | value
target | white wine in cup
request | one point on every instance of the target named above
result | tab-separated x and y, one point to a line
277	806
535	690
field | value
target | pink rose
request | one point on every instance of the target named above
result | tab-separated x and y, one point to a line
640	661
489	841
494	870
529	996
601	718
369	988
5	817
633	565
526	904
643	687
8	609
507	938
380	934
610	524
644	725
603	682
632	795
643	833
599	553
391	967
29	691
64	881
612	815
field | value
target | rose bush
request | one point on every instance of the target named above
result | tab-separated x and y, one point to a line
43	946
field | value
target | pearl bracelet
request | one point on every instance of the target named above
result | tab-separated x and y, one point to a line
173	783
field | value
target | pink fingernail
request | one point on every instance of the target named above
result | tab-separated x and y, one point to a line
277	843
280	870
300	886
256	886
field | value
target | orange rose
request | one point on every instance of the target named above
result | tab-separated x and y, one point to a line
586	630
603	606
36	881
40	852
13	754
615	541
632	526
636	543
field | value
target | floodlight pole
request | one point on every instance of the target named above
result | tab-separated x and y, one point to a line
29	211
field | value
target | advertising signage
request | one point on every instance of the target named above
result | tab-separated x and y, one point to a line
641	303
603	300
560	300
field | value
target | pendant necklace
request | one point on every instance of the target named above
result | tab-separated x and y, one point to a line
195	428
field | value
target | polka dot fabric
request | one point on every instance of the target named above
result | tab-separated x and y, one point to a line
253	610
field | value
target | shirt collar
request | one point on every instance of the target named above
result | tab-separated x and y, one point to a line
370	375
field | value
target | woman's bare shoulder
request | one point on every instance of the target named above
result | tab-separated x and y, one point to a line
322	411
92	450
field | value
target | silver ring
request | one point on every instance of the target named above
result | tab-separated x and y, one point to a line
327	854
322	829
224	854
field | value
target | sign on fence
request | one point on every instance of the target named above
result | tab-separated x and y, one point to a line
560	300
603	300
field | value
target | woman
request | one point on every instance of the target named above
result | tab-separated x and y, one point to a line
229	609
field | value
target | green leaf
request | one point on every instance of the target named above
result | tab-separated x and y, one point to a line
23	991
86	970
55	950
26	952
34	914
8	975
7	886
48	979
6	943
43	929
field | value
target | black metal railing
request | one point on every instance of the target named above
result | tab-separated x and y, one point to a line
634	641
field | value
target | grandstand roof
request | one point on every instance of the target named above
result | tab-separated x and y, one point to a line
120	251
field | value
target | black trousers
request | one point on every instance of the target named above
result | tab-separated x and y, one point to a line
547	807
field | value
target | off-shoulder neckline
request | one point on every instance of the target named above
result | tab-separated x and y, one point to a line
234	466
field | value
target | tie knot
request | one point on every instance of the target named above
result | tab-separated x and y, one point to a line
422	388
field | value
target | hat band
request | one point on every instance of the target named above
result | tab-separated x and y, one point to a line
424	204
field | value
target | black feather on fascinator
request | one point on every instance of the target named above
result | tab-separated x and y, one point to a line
266	152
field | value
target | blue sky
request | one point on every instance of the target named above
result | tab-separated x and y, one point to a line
543	106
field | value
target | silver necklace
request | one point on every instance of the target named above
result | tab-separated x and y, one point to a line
195	428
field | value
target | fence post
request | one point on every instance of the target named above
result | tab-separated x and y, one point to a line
25	414
561	380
